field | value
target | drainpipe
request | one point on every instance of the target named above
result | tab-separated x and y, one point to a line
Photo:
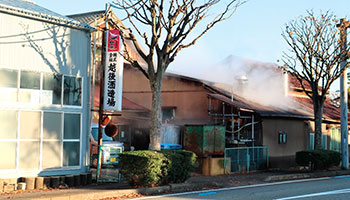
93	72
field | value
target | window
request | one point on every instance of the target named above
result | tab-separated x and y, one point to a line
52	151
324	141
52	126
52	140
71	126
32	138
29	155
72	91
30	80
45	140
334	143
30	126
52	88
8	154
8	85
8	124
29	143
40	88
71	147
29	87
168	113
312	141
282	137
8	139
70	153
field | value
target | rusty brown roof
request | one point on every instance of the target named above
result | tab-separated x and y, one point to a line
294	82
330	111
266	111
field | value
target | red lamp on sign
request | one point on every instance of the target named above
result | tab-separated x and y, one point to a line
111	130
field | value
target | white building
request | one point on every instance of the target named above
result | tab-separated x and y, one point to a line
44	91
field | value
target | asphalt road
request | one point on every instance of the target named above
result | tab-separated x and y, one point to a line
316	189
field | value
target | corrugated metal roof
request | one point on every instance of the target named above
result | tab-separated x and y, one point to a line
266	111
303	107
29	9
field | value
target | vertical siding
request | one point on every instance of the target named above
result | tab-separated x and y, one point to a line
39	46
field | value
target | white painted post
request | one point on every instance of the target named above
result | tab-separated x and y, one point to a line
344	24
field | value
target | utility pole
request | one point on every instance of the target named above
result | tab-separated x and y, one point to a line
101	116
343	26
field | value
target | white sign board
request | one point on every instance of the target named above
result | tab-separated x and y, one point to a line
113	79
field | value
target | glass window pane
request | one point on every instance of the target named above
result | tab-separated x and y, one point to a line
8	78
8	94
52	125
30	80
8	85
51	93
29	96
71	153
72	91
71	126
51	154
30	87
8	124
8	155
30	125
29	155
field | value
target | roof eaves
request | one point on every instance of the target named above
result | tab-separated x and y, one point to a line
45	17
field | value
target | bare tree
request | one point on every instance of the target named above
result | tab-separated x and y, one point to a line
314	59
170	24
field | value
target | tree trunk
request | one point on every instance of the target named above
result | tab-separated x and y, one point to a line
156	123
318	111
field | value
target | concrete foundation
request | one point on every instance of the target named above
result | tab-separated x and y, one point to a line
215	166
39	183
30	183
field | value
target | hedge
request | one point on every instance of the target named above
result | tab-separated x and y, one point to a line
319	159
179	165
152	168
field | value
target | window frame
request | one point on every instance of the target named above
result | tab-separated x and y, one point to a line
40	102
42	107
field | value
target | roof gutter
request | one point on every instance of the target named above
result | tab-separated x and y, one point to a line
45	18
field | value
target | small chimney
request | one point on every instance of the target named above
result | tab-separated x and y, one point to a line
241	83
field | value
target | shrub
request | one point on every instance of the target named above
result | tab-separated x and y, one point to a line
151	168
180	165
142	167
319	159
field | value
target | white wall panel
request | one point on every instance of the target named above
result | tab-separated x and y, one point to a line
40	46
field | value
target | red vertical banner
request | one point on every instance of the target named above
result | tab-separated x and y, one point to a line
113	40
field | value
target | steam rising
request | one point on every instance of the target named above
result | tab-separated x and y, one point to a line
257	82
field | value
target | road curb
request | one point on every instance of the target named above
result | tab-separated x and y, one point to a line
285	177
92	194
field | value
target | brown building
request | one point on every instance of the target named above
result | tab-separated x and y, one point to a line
189	101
